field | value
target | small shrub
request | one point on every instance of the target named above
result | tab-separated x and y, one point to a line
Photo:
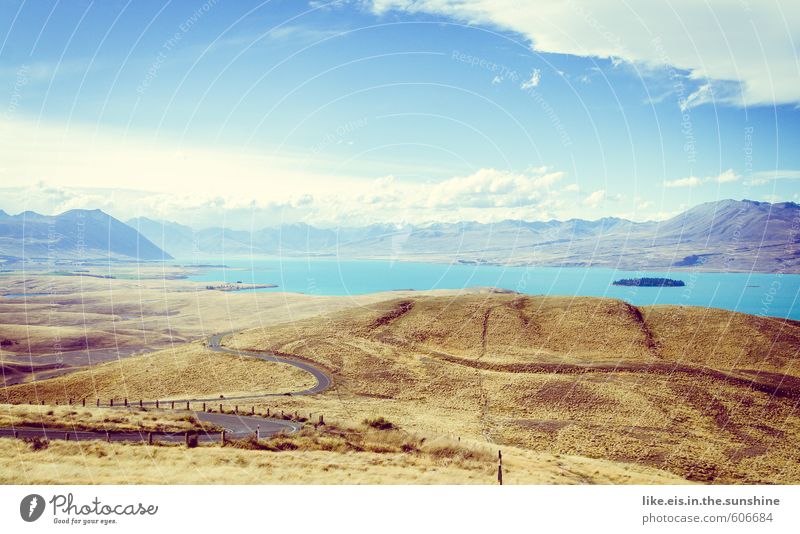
380	423
249	443
37	443
409	447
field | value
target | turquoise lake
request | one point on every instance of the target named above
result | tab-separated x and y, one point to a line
758	294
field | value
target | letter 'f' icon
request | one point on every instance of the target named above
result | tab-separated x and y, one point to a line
31	507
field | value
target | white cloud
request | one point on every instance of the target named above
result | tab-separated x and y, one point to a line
764	177
595	198
753	45
52	169
210	186
726	177
491	188
702	95
533	81
691	181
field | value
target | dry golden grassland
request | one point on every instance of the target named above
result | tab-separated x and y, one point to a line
137	311
187	370
92	418
574	390
708	395
330	454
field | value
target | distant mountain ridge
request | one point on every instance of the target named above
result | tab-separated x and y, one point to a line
726	235
74	234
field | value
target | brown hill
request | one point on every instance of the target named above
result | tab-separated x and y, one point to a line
710	395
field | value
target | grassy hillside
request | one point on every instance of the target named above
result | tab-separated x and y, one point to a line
708	395
187	370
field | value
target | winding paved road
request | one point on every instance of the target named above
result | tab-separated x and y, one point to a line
236	426
323	380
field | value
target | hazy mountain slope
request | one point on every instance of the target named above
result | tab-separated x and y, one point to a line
77	234
728	221
177	239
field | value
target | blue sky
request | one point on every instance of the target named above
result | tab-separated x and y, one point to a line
396	111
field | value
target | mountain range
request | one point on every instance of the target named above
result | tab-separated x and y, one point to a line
74	234
725	235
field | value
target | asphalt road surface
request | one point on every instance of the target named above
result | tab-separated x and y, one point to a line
236	426
323	380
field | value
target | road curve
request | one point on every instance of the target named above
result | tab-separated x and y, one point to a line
323	380
236	426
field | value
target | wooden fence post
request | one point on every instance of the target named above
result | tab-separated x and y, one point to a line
108	437
500	467
111	402
173	405
98	403
156	403
204	406
83	401
187	405
140	403
321	420
66	436
236	410
70	402
220	408
253	409
186	438
222	437
149	438
126	402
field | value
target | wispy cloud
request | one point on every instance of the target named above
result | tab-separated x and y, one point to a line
595	199
765	177
689	181
725	177
533	81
